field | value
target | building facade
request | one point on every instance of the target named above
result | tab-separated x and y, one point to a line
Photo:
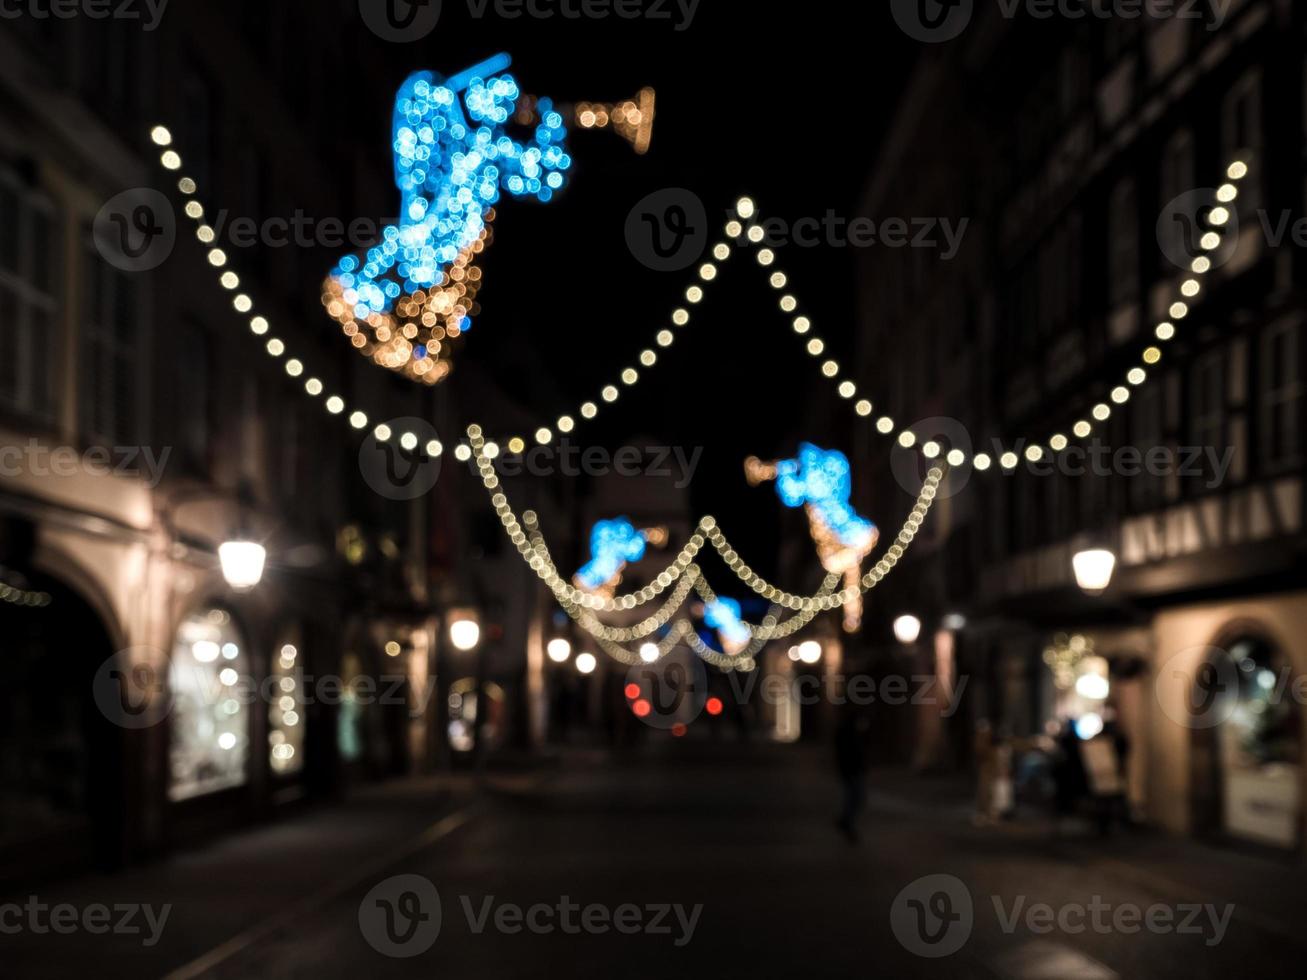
1092	149
142	425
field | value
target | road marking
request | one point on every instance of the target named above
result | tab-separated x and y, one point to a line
239	943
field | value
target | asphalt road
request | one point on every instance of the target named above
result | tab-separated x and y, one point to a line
718	861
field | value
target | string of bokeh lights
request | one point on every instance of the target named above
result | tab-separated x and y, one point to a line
524	534
745	230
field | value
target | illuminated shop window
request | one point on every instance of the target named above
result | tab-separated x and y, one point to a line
286	711
209	679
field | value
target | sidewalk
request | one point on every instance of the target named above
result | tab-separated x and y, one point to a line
1268	892
248	882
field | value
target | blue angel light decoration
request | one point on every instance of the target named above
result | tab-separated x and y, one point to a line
459	144
821	482
613	545
723	615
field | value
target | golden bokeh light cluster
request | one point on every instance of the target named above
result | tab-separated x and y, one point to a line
428	320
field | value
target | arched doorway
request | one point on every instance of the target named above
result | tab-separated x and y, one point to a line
61	759
1247	764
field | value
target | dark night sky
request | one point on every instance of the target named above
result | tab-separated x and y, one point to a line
786	108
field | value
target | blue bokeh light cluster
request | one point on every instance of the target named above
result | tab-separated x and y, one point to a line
823	480
454	157
724	615
612	545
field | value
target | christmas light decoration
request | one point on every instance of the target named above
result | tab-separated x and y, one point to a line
821	482
459	144
613	545
14	590
579	602
723	615
743	236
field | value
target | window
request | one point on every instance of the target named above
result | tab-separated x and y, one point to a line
1207	409
30	274
1280	396
210	732
1241	136
1146	422
194	398
198	115
111	379
1177	178
1123	245
109	62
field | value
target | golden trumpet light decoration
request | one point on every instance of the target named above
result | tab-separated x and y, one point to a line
417	337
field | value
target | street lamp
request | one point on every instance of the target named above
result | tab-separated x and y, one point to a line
242	563
906	629
1094	569
559	650
465	634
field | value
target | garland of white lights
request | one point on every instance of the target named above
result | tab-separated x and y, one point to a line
525	535
611	639
15	596
744	236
